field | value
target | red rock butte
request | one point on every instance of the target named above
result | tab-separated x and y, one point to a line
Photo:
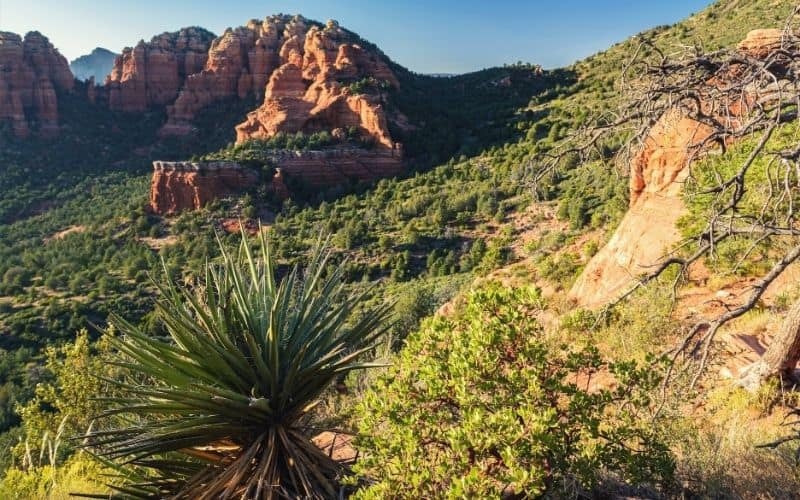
178	186
302	71
31	70
181	186
299	68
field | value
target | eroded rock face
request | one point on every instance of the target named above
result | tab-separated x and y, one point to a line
31	70
648	229
760	43
648	232
153	73
299	68
179	186
321	169
239	64
306	93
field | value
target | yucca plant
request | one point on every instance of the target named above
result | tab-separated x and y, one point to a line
222	407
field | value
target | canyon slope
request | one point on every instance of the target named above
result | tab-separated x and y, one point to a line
648	232
31	73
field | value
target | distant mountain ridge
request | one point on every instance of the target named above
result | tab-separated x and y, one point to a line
95	65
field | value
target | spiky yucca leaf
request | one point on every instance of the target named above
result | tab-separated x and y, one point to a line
218	409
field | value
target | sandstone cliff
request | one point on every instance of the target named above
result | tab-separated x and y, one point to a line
309	92
648	229
179	186
300	68
31	73
647	232
153	73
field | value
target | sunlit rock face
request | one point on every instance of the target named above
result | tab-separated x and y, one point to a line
648	231
31	70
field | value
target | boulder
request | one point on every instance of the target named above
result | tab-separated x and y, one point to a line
761	42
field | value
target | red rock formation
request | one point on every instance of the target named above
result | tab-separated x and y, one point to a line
179	186
760	43
239	63
153	73
31	70
648	230
306	94
279	187
321	169
303	63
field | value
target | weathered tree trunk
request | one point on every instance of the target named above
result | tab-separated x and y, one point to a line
781	356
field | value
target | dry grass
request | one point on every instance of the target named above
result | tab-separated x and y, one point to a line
718	450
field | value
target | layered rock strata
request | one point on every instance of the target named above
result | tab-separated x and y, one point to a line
152	74
309	92
32	71
321	169
179	186
301	69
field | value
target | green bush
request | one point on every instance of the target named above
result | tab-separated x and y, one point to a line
479	405
79	473
559	269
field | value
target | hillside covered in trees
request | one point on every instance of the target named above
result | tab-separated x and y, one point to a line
477	283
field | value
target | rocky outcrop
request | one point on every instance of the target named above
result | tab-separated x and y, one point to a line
760	43
239	63
308	92
152	74
31	73
301	69
321	169
648	230
179	186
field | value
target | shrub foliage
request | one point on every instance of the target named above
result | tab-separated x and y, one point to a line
479	405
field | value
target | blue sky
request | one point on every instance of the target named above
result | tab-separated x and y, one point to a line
433	36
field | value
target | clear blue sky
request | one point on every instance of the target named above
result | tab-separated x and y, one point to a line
429	36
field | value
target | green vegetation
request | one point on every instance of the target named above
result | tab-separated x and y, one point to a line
368	85
42	462
76	244
247	361
482	405
465	114
740	255
261	150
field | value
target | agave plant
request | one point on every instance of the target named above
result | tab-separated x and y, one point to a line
221	408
